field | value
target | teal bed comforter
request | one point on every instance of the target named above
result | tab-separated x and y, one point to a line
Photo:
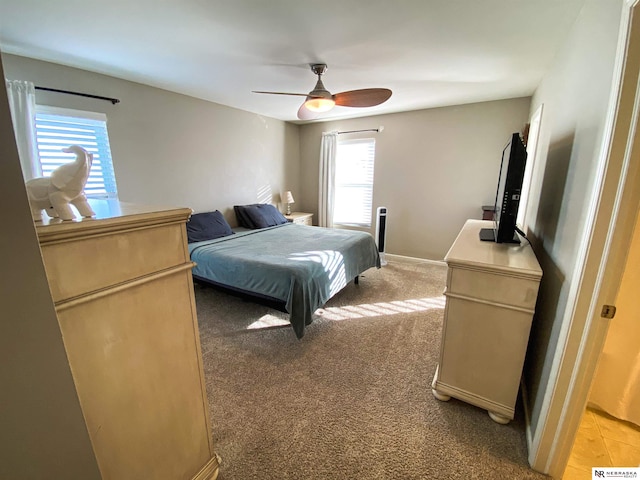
302	266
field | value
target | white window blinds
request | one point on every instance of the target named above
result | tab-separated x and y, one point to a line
354	182
58	128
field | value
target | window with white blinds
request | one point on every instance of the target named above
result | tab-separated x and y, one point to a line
354	182
58	128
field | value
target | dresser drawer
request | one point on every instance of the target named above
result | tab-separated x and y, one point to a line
493	287
84	265
483	348
134	359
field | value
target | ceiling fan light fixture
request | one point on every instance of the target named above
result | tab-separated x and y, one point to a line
320	100
319	104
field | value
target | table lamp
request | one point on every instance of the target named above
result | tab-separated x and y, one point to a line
287	197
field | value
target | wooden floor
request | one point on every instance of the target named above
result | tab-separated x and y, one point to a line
603	441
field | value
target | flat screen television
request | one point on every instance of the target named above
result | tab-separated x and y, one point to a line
514	159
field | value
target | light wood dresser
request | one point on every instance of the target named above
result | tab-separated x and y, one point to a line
123	292
490	300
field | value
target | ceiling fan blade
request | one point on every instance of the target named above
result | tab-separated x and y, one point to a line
305	114
366	97
283	93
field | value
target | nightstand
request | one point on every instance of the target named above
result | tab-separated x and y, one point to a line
300	218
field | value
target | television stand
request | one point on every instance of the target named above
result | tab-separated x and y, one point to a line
490	299
489	235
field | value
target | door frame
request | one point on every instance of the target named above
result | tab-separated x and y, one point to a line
612	213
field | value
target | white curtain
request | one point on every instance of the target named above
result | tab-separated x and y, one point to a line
22	103
616	385
327	178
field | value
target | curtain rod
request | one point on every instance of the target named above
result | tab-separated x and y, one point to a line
379	129
112	100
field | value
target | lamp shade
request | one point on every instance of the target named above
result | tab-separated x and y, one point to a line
287	197
320	104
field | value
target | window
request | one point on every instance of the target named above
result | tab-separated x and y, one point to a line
354	182
58	128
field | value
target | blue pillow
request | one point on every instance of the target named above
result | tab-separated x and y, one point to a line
207	226
242	217
262	215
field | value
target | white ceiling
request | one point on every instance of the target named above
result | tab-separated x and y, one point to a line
429	52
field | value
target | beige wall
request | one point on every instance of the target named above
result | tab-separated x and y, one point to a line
43	433
434	169
576	94
171	149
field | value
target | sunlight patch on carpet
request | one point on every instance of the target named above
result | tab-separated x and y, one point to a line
383	308
349	312
268	321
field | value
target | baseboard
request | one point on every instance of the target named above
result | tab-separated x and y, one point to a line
404	259
210	470
527	415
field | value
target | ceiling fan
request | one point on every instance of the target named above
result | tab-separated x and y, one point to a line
320	100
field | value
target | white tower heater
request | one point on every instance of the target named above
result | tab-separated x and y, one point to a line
381	232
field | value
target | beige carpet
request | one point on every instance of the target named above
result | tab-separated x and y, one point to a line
352	399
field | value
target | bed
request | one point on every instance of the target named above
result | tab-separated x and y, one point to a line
298	266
